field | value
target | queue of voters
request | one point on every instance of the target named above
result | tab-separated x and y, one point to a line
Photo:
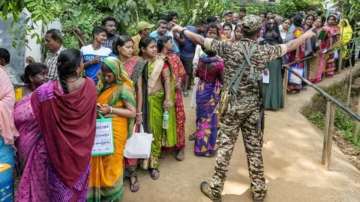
231	68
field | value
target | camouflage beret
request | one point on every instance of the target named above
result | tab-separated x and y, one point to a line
252	23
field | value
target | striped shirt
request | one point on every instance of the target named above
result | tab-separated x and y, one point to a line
51	63
108	43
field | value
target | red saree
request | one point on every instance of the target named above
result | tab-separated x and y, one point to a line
67	122
178	70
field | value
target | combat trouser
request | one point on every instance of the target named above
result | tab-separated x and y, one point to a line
241	116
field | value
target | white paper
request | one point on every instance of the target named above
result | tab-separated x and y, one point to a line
104	140
193	93
266	76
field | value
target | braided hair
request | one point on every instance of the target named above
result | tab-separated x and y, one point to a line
68	62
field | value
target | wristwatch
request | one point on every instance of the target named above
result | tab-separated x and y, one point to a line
182	31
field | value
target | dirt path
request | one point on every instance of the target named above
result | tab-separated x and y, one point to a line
292	153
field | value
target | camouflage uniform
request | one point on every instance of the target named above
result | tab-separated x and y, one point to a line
243	112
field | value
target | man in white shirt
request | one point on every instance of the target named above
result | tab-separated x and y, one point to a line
94	54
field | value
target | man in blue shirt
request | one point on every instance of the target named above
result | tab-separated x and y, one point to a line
187	51
162	30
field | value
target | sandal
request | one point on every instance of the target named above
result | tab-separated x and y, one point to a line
154	174
134	184
192	137
180	155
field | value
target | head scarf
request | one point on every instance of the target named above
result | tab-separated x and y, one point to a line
124	86
346	31
121	78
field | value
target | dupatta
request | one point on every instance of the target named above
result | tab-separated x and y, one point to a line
68	124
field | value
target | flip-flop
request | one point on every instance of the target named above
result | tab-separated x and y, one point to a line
154	174
180	156
192	137
134	185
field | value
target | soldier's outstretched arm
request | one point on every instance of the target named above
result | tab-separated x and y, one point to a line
196	38
222	48
294	44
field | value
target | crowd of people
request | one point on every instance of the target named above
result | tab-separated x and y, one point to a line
140	82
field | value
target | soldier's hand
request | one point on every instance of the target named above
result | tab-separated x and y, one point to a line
310	33
177	28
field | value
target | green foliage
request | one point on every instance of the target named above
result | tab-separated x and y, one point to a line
84	14
11	8
129	12
256	8
317	118
351	9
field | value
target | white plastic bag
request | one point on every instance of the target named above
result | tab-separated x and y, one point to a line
138	146
193	94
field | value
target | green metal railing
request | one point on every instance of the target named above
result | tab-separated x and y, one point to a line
331	105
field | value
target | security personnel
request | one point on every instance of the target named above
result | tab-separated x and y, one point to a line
244	61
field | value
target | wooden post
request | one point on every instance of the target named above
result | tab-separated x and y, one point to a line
357	123
348	99
329	129
340	60
285	85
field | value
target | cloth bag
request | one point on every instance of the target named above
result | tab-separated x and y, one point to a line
138	146
104	137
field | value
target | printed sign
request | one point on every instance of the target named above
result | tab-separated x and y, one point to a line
104	139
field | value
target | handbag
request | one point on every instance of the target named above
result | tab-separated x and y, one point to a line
234	82
104	137
138	146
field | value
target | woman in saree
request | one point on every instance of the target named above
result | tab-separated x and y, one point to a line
7	128
63	116
237	33
273	90
136	69
212	31
35	75
178	73
346	44
295	84
332	37
116	100
210	72
309	65
159	101
316	74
